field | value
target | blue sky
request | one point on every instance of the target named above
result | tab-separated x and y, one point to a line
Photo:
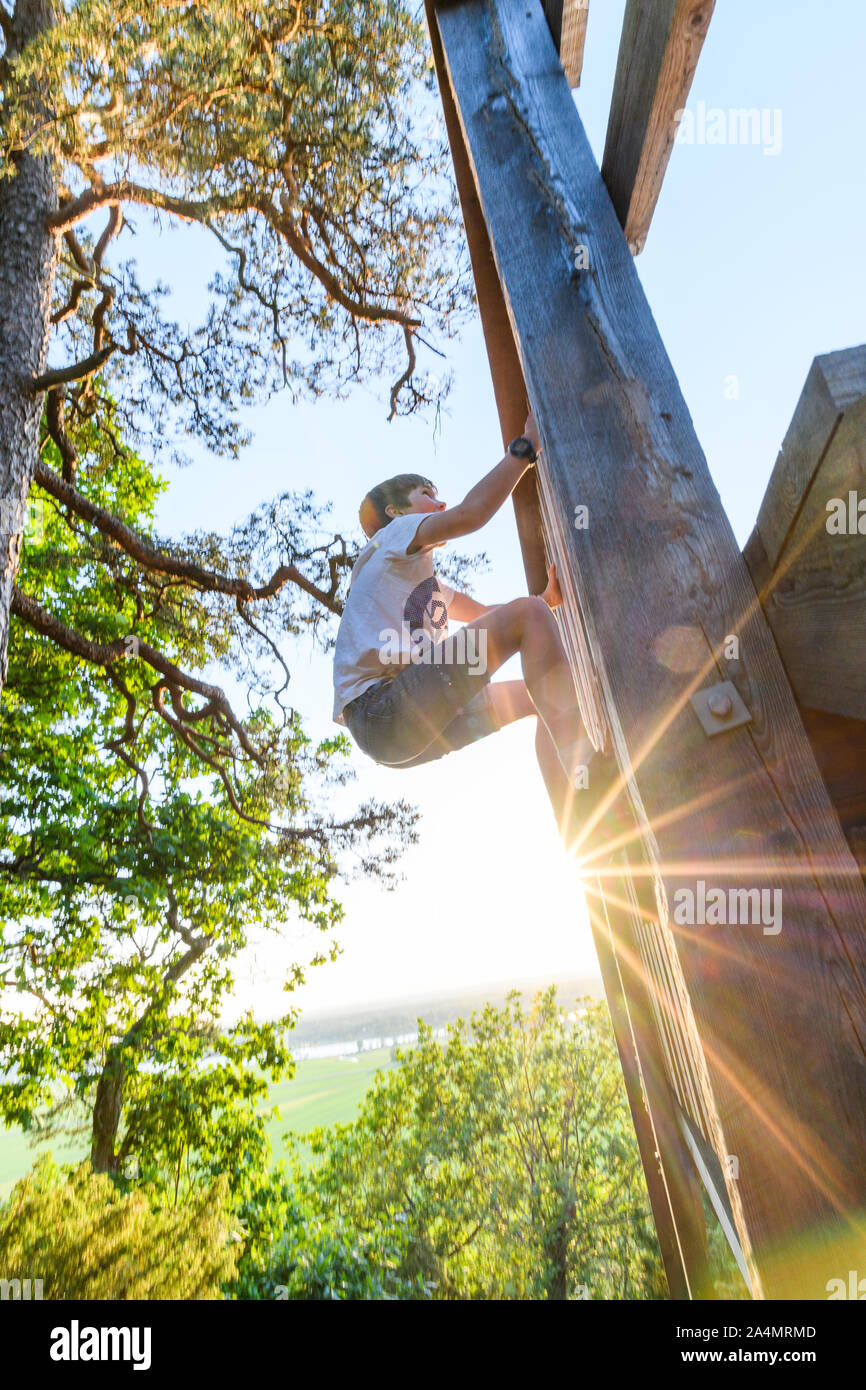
753	266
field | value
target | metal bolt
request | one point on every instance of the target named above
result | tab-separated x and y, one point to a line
720	705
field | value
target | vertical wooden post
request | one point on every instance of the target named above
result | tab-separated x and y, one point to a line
509	389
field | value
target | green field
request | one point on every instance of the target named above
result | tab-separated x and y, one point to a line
327	1091
323	1092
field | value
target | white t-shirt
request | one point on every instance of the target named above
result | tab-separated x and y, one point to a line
396	601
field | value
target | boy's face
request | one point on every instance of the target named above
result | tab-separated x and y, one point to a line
422	499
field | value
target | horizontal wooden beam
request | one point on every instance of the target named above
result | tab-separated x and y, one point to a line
567	21
658	54
774	1011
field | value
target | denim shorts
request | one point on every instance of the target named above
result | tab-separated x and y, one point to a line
422	713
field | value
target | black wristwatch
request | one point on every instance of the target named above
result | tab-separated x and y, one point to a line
522	448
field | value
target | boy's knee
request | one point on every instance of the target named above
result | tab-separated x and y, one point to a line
531	609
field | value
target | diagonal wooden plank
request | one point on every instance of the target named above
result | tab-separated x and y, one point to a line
777	1018
816	599
658	54
567	20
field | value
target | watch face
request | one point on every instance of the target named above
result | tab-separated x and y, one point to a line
521	448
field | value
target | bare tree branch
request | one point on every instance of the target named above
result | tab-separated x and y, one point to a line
401	381
125	191
269	304
115	222
285	225
77	372
6	27
69	308
101	195
358	308
107	653
55	415
159	562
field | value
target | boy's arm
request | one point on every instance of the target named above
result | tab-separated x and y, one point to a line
465	609
479	504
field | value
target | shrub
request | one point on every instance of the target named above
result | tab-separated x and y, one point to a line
85	1239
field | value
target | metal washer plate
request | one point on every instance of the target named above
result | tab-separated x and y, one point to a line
713	723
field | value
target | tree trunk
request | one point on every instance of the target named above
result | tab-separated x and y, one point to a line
108	1106
27	264
106	1115
558	1286
557	1238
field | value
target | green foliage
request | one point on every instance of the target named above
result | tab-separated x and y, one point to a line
290	1253
87	1240
268	1209
140	843
500	1165
145	827
728	1283
335	1261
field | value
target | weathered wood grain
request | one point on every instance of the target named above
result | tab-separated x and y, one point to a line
658	54
840	748
836	381
814	593
779	1020
567	20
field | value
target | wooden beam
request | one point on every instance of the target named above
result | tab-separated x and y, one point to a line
835	382
812	581
672	1183
567	22
509	389
776	1018
658	54
839	745
814	589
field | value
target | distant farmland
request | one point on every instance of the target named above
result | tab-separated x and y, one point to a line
327	1091
324	1090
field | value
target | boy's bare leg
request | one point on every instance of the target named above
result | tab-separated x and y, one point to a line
511	700
527	626
563	797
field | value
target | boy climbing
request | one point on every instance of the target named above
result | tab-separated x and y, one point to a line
409	693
